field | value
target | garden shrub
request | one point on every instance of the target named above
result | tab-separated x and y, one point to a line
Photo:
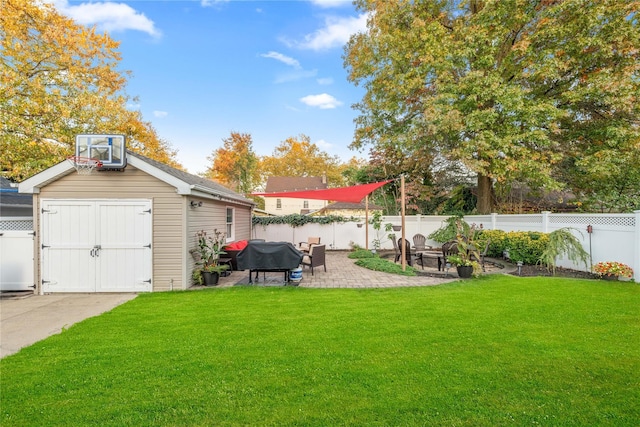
361	253
498	241
525	246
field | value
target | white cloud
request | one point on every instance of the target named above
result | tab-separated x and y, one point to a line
323	101
283	58
108	16
211	3
295	75
322	144
335	33
331	3
325	81
160	114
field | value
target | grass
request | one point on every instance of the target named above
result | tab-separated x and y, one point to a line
492	351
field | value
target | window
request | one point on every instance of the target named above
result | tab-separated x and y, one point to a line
230	224
278	203
305	204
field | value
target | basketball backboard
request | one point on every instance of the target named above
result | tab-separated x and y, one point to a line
109	149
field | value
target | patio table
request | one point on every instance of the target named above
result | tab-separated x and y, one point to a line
432	254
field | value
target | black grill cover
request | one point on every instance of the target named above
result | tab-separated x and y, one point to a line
269	256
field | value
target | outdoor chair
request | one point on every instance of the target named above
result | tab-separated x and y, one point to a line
449	248
410	256
395	248
419	242
315	257
305	246
484	254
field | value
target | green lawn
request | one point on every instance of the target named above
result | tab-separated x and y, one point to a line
498	350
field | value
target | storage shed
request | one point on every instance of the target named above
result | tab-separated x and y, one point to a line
129	230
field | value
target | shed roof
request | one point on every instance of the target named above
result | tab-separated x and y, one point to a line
185	183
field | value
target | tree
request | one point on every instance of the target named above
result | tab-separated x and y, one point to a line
235	165
507	88
299	157
57	80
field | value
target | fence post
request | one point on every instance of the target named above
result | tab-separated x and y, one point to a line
545	221
636	247
494	220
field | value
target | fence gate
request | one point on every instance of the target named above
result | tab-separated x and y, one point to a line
16	255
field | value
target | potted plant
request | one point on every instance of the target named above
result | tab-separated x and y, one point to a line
210	247
466	260
211	273
612	270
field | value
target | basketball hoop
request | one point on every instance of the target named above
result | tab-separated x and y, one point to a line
84	165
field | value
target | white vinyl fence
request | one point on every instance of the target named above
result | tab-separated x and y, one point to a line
615	237
16	254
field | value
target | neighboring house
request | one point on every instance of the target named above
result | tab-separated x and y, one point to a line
16	239
287	206
348	209
126	231
13	204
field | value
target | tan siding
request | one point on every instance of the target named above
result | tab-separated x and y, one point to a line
135	184
243	223
212	215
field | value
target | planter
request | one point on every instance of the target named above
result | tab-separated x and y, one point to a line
464	271
396	227
210	278
609	277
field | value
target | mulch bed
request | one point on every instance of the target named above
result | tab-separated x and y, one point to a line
539	270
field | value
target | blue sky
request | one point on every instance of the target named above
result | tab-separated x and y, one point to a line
202	69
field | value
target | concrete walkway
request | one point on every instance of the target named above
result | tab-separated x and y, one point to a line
24	321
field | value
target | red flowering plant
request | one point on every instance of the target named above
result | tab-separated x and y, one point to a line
613	268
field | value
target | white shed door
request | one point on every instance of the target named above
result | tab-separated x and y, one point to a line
96	246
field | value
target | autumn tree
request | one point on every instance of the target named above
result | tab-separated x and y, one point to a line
300	157
235	164
508	88
57	80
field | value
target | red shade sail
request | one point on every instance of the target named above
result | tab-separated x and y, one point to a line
353	194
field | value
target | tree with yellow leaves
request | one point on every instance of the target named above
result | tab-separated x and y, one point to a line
300	157
235	164
59	79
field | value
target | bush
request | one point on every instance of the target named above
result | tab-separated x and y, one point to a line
362	253
379	264
525	246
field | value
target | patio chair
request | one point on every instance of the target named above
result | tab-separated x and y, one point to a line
395	248
305	246
419	242
315	257
484	254
449	248
410	256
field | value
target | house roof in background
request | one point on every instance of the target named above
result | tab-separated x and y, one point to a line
294	183
10	197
